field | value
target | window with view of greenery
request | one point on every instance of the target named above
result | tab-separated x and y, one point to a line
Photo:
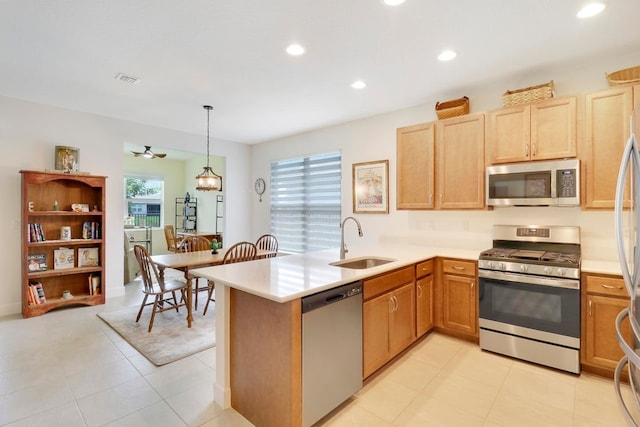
306	202
143	200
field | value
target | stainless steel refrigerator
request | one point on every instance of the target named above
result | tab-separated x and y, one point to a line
628	243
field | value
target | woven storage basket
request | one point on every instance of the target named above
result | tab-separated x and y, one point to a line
628	75
528	94
453	108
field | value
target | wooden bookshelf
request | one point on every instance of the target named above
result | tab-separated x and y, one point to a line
40	192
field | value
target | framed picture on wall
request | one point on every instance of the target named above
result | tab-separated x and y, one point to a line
371	187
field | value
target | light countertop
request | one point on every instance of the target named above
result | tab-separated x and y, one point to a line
288	277
285	278
602	267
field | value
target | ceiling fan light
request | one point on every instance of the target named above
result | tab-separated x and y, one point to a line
147	155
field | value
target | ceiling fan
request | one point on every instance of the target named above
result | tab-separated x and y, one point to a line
147	153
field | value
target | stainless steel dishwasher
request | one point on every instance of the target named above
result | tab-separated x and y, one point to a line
331	349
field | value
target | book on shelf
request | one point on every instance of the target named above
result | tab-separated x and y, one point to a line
88	257
36	262
63	258
36	291
91	230
30	299
35	233
94	284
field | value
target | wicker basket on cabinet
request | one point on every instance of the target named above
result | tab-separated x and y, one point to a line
628	75
453	108
528	94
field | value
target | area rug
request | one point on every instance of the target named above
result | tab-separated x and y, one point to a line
170	339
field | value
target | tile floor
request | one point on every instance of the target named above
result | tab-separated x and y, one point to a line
68	368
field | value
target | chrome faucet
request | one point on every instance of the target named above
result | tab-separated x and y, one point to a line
343	247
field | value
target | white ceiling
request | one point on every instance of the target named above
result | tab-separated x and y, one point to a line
231	55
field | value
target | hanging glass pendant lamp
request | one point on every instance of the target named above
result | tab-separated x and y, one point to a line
208	180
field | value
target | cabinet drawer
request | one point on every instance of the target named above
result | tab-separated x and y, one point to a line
606	285
455	266
424	268
388	281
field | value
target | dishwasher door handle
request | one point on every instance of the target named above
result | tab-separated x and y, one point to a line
335	298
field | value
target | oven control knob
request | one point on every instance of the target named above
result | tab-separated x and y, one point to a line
501	266
524	268
491	265
562	271
547	270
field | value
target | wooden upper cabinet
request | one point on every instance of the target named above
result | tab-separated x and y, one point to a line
553	129
606	131
415	169
460	162
539	131
509	134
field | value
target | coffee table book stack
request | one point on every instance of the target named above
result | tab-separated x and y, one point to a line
53	260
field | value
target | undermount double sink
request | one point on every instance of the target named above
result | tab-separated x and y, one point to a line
362	263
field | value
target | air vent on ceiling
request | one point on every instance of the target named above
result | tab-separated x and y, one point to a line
127	79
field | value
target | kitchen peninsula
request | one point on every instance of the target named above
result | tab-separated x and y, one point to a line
259	322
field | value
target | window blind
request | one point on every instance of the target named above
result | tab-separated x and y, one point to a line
306	202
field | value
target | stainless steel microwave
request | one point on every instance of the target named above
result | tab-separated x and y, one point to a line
548	183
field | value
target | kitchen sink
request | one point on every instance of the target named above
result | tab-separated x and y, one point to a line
362	262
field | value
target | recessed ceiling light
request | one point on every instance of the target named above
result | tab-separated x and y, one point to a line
393	2
358	84
295	49
590	9
447	55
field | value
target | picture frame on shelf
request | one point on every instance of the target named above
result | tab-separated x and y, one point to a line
88	257
371	187
63	258
36	262
67	158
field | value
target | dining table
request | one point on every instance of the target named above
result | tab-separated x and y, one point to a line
185	261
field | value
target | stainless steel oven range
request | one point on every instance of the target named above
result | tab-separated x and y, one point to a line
529	301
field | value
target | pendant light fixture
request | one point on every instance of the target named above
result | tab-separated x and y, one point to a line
208	180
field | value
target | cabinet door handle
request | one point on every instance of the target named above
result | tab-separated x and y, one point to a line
473	284
526	149
441	198
393	304
589	308
604	285
533	150
419	291
457	267
430	197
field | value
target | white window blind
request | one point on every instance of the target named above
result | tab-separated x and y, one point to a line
305	202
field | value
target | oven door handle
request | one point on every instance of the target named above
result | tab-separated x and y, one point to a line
532	280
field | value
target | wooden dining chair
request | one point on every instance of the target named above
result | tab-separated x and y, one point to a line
240	252
268	242
162	291
173	243
194	244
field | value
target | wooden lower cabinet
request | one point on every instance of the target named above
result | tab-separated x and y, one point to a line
604	297
424	297
456	297
388	326
460	304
